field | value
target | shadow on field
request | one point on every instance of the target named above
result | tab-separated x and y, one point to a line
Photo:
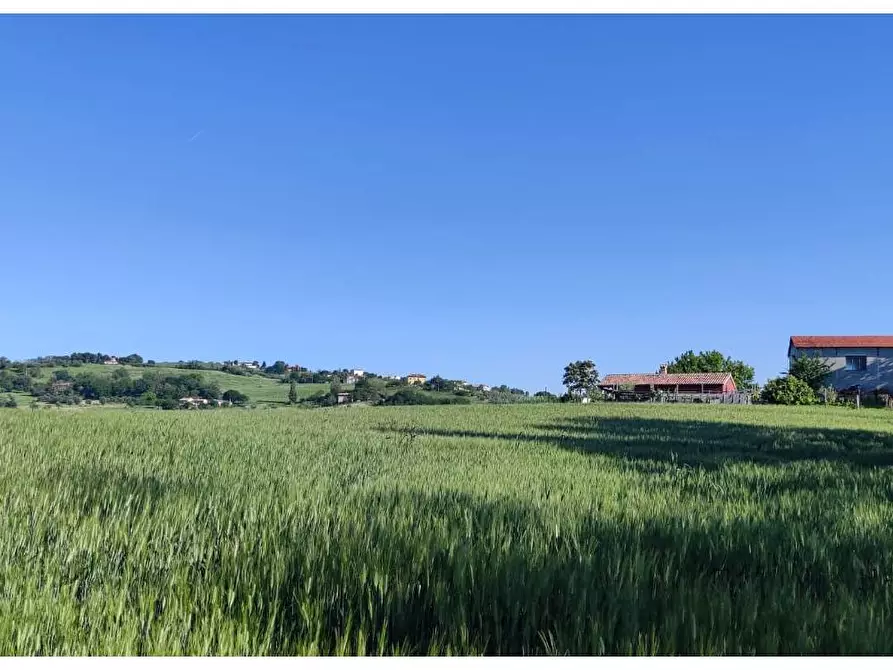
450	573
701	444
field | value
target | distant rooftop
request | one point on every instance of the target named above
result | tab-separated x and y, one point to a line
668	378
832	341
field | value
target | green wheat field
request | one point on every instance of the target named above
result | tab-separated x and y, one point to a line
540	529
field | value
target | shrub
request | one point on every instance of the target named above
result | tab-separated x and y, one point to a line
10	401
828	394
788	390
235	397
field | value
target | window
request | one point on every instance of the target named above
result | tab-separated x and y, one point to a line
856	363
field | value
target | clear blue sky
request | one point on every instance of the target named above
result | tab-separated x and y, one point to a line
481	197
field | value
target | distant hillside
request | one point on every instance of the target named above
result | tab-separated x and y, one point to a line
260	390
84	378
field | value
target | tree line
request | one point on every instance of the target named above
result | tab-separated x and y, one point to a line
374	390
153	388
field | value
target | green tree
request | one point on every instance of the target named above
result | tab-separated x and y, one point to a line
788	390
714	361
301	376
438	383
10	402
61	376
811	369
235	397
292	393
278	368
581	378
369	389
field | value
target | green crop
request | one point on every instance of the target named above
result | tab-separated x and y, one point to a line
539	529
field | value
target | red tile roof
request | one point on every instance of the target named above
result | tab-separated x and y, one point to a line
670	378
819	341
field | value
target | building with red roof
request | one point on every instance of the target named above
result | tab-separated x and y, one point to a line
863	362
671	382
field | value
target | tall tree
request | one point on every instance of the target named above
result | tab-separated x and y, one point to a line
292	393
580	378
714	361
810	369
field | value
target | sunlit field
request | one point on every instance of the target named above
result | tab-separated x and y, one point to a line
542	529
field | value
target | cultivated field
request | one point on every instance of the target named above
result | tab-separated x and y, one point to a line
463	530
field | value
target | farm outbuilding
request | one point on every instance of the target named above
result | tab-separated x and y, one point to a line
671	382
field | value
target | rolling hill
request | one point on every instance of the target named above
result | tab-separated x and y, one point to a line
260	390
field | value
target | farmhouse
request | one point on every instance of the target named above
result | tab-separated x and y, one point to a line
415	378
111	360
343	398
860	361
671	382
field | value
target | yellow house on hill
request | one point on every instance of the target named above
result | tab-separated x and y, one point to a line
415	378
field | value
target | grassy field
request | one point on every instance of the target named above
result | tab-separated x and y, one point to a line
543	529
261	390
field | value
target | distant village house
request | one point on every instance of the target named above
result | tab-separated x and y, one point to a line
415	378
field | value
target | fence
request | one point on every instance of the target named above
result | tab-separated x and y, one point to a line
706	398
